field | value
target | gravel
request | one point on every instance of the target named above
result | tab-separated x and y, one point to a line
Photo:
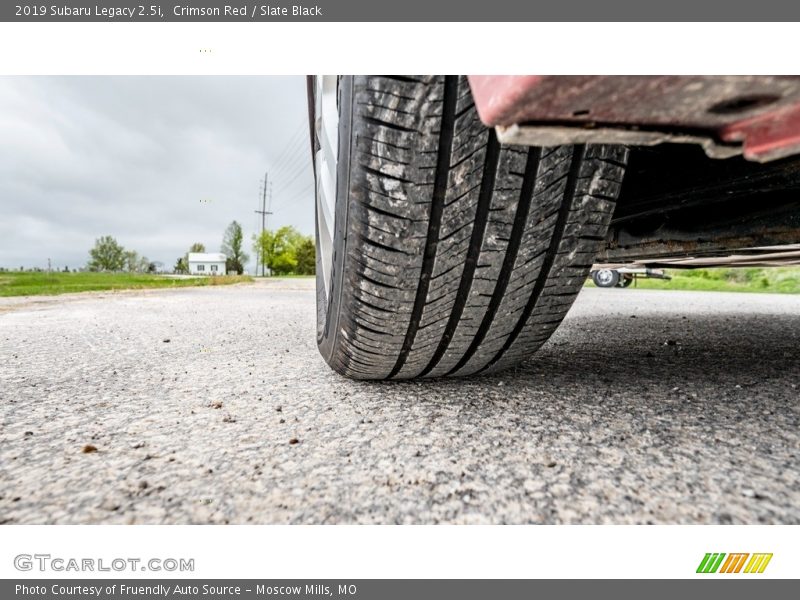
212	405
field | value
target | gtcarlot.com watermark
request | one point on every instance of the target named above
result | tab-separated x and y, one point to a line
48	563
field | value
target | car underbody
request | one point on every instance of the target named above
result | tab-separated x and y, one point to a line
680	208
713	172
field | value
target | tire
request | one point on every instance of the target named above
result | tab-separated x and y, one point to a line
605	278
451	254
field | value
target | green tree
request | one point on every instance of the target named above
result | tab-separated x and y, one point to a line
277	249
107	255
283	263
135	263
131	261
181	266
196	247
232	249
306	254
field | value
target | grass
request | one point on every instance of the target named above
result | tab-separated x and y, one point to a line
781	280
291	276
51	284
773	280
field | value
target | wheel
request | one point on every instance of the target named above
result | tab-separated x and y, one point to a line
605	278
625	281
441	252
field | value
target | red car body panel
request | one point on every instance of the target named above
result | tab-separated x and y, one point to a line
762	113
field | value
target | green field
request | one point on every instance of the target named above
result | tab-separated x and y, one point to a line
50	284
289	276
781	280
774	280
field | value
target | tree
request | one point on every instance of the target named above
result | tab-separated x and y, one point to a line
135	263
107	255
131	261
306	254
283	263
232	248
196	247
278	249
182	266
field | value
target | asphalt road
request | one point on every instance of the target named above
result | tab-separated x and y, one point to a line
212	405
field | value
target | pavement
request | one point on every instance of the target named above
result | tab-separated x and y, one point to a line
212	405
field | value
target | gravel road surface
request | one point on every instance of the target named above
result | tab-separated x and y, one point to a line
212	405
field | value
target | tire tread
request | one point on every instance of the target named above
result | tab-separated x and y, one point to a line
462	255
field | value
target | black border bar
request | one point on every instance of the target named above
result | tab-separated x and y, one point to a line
407	11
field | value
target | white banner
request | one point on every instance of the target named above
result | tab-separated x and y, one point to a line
373	552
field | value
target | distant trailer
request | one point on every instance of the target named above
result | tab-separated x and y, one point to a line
605	277
207	263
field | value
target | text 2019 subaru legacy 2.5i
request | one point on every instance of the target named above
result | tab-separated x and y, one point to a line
458	217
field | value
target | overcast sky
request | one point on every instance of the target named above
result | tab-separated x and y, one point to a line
156	162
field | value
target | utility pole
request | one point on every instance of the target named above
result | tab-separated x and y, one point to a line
263	212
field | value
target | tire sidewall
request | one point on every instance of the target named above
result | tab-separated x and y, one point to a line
614	278
625	282
329	301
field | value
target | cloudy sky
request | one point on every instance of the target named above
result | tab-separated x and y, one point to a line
156	162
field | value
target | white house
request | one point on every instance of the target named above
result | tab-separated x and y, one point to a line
207	263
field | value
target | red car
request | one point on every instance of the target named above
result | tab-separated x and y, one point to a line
458	217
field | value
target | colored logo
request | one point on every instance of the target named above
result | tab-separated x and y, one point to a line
719	562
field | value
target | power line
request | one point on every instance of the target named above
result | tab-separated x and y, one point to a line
286	169
292	139
292	146
290	165
288	184
299	156
305	190
301	162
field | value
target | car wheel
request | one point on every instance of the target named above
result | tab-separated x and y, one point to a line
440	251
605	278
625	281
